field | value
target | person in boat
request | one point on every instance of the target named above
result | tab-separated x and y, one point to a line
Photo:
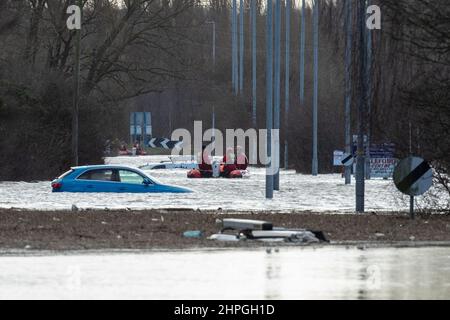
123	150
139	150
241	159
228	163
204	160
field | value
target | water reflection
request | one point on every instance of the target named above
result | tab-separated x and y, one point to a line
273	275
291	273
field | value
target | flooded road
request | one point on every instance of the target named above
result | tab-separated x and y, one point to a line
298	192
287	273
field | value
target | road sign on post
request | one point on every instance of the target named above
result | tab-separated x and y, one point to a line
347	159
413	176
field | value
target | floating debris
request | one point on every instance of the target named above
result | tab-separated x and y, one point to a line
264	231
193	234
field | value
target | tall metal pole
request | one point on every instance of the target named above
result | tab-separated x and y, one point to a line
348	84
369	94
232	44
277	69
253	10
269	98
76	91
287	82
214	45
361	108
213	120
241	46
302	53
234	48
411	198
315	165
214	80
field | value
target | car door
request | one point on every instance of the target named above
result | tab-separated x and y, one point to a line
98	180
133	182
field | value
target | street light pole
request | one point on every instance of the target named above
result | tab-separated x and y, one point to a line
276	96
315	166
234	49
287	83
368	94
213	120
302	53
269	99
76	93
241	46
360	162
348	83
253	14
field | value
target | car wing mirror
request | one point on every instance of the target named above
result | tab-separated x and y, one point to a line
147	181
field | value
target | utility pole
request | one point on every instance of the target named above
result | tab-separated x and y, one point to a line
302	53
348	84
234	49
360	162
214	45
315	165
253	14
241	46
277	69
76	91
369	94
269	99
213	120
287	82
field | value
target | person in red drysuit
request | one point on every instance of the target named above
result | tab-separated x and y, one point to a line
241	159
204	161
228	163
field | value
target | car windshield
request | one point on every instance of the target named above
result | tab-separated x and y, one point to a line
153	179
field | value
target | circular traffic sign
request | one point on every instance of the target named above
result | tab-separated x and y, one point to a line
413	176
347	159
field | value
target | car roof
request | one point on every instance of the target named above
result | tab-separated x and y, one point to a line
104	166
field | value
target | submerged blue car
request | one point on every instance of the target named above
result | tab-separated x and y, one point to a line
110	178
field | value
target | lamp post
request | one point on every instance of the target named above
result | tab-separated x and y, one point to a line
269	97
213	119
76	91
315	166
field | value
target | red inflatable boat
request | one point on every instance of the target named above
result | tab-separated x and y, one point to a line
199	174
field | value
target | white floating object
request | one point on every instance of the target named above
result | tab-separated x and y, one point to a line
225	237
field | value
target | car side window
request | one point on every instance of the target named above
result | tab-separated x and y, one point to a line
127	176
98	175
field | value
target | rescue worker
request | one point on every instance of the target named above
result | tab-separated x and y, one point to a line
241	159
204	161
228	163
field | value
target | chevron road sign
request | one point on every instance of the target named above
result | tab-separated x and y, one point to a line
413	176
164	143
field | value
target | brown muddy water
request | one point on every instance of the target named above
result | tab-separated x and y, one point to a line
333	272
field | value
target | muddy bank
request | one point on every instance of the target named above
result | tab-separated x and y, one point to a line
100	229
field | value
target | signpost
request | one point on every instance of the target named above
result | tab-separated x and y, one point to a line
413	176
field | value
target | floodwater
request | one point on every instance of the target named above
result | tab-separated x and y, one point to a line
286	273
298	192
